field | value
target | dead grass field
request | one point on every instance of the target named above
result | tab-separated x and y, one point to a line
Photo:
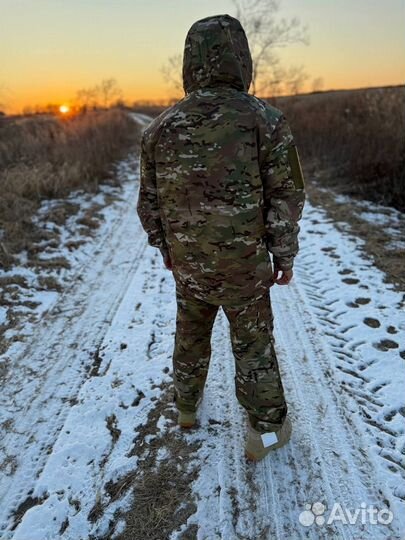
43	157
353	139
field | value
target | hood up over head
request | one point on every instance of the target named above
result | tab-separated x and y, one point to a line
216	53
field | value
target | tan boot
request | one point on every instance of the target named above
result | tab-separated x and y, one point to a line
186	419
255	448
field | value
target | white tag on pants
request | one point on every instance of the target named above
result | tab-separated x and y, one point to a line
269	438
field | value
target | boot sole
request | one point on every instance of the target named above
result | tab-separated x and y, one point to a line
252	457
186	426
189	425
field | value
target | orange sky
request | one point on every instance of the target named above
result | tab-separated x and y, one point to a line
51	48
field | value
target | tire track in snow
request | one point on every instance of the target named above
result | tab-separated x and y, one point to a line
308	470
329	458
91	464
60	352
371	377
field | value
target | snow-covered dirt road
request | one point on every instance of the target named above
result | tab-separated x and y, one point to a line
90	448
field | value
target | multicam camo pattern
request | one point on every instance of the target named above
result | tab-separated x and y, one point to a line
257	381
216	52
221	186
220	176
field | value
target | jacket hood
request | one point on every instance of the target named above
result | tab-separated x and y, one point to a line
216	52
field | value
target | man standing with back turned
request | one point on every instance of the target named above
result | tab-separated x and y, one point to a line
221	186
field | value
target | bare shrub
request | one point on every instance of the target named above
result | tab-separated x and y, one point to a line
356	137
352	138
44	157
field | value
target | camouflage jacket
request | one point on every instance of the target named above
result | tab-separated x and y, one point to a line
221	182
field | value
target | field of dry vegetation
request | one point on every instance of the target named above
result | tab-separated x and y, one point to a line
44	157
353	140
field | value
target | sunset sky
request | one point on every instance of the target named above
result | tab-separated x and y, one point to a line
51	48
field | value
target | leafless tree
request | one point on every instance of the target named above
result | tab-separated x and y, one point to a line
109	92
172	73
317	84
295	80
267	31
86	97
104	94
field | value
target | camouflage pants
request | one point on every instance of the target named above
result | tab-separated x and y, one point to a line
257	381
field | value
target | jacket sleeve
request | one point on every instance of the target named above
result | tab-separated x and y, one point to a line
284	193
148	203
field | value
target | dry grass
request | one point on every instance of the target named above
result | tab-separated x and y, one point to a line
377	239
163	499
355	139
45	157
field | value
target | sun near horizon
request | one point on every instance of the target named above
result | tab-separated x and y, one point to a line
50	50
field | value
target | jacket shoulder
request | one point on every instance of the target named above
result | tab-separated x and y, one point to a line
151	133
268	114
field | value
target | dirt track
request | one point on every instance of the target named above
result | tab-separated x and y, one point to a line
93	424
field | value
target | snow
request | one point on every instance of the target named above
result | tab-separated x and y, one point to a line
3	314
390	219
81	389
376	219
43	300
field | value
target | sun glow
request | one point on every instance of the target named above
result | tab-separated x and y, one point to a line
64	109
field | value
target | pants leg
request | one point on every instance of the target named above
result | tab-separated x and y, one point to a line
258	384
192	349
